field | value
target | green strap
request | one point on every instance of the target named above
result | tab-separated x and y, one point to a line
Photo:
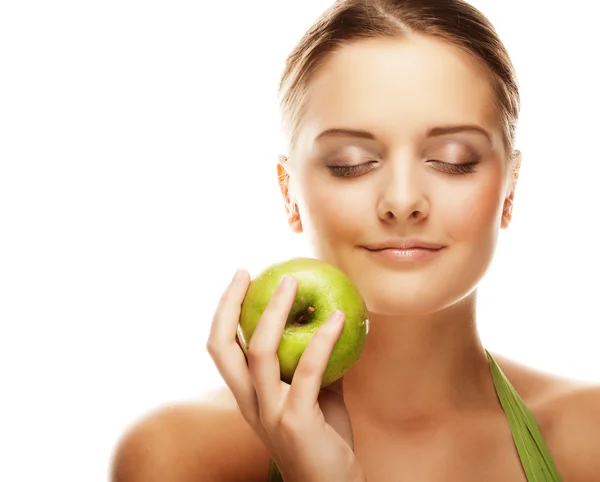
533	451
535	456
274	474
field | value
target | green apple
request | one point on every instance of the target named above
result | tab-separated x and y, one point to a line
322	289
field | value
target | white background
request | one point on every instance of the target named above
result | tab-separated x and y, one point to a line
137	149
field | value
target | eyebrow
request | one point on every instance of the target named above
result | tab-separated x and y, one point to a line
433	132
443	130
338	132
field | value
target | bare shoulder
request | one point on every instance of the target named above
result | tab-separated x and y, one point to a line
568	414
205	441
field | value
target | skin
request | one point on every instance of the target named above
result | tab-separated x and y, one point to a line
421	399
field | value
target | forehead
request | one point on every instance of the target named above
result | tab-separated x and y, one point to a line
398	89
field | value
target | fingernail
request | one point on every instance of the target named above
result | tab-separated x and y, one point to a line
337	317
287	282
238	274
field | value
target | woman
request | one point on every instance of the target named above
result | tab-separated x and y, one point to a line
401	170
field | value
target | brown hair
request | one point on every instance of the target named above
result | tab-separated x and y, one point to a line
454	21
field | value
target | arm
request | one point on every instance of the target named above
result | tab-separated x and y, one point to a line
202	443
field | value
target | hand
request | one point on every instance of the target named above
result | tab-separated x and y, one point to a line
306	429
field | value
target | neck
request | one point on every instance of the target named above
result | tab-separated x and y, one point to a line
421	368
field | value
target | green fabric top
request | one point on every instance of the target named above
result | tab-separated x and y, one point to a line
533	451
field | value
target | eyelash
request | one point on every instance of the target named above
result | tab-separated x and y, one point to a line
449	168
465	168
342	170
345	171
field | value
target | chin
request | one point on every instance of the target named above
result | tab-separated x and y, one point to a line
404	303
418	292
411	306
419	289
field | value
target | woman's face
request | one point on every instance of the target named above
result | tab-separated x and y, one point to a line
400	143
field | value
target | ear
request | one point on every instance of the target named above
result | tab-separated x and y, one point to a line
291	208
515	167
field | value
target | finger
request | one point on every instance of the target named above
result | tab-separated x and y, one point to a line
223	329
306	382
223	348
263	362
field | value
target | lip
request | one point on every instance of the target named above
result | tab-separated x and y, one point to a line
404	244
405	250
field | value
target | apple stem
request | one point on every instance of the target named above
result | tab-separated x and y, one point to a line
303	317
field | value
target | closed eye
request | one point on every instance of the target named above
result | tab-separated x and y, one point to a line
450	168
341	170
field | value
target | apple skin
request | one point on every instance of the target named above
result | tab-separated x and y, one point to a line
320	286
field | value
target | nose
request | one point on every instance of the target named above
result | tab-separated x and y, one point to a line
403	197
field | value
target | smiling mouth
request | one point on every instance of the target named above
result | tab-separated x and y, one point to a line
412	254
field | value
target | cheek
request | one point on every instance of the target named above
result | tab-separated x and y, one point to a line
333	210
475	209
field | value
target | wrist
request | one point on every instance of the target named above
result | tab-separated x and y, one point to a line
349	477
352	472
